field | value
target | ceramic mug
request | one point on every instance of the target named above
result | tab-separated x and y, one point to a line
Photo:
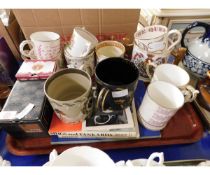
82	43
153	43
177	76
80	156
116	80
70	95
161	101
154	39
45	45
109	48
148	162
86	63
141	58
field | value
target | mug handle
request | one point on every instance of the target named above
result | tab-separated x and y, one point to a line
22	45
101	100
148	65
190	93
174	43
86	68
194	25
153	156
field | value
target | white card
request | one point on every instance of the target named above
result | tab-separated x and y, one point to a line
8	115
122	93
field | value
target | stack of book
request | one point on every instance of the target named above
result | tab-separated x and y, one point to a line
104	128
96	128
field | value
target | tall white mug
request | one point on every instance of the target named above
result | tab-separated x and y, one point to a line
82	43
161	101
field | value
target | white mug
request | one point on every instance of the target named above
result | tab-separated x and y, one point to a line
161	101
155	39
177	76
154	44
80	156
82	43
141	58
148	162
109	48
45	45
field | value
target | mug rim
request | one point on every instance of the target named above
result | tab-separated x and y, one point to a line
145	28
116	86
97	48
77	58
157	102
50	40
93	37
176	67
62	72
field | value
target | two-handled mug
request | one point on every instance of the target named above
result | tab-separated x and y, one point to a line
153	43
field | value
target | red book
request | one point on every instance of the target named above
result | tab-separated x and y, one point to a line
58	126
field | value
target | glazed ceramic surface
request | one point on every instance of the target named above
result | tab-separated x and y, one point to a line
197	58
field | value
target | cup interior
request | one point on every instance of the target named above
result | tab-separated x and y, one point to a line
151	32
45	36
85	35
166	95
172	74
110	49
67	85
117	71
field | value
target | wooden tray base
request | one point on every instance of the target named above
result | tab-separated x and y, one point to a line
185	127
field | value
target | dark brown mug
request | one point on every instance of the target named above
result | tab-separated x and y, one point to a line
116	80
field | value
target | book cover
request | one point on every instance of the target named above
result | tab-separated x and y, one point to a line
109	122
35	69
74	130
55	140
148	134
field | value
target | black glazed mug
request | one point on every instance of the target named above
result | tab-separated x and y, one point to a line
116	80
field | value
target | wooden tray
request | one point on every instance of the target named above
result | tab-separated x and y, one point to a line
184	127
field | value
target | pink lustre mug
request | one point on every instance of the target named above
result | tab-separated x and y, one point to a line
45	45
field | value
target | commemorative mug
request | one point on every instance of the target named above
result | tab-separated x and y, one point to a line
109	48
155	39
153	43
86	63
44	45
116	80
177	76
82	43
69	92
160	103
